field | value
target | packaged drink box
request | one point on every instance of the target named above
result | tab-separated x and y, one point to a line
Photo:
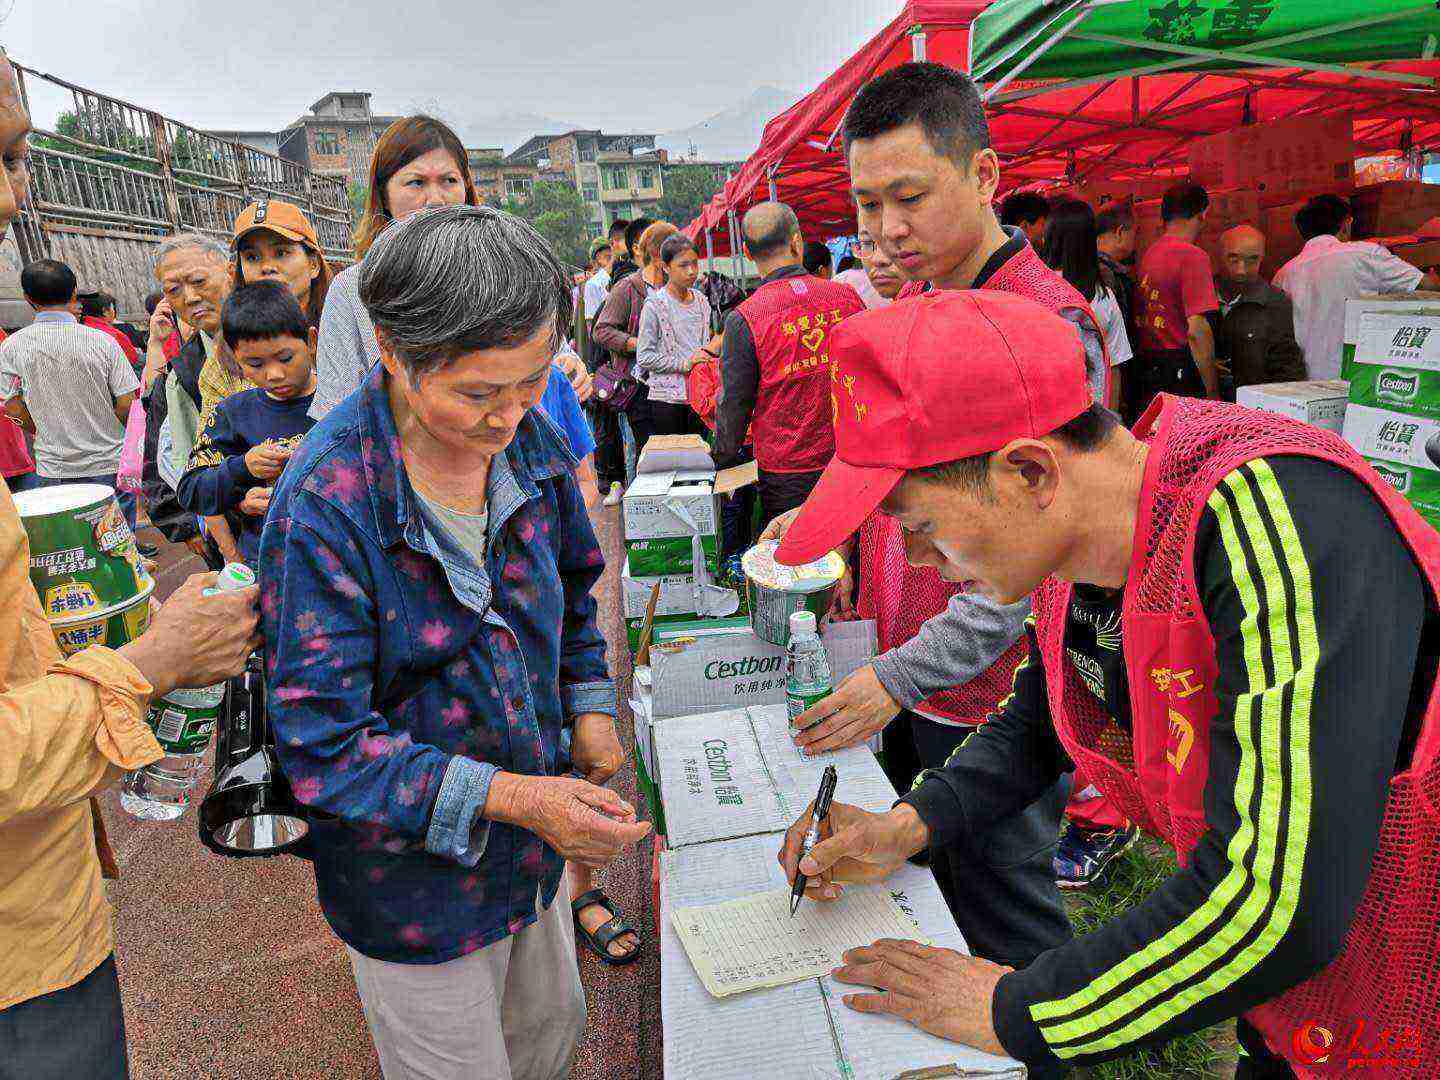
671	555
1388	333
693	673
671	504
1320	402
1403	449
668	627
1294	157
680	594
1390	209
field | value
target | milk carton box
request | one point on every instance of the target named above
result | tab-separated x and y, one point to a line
1404	449
1320	401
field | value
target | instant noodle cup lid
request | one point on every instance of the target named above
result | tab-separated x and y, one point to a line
40	502
761	568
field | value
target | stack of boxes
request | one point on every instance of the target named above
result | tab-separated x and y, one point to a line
671	519
1392	359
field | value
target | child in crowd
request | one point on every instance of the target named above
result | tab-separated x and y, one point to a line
252	434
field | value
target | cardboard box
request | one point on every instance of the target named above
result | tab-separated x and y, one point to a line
680	594
635	627
1373	333
1282	238
1228	209
1287	158
1423	256
694	673
670	504
1319	401
675	453
1403	449
1395	208
671	555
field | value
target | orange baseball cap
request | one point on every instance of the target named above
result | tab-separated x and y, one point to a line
929	380
280	217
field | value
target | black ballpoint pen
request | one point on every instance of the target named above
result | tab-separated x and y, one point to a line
822	811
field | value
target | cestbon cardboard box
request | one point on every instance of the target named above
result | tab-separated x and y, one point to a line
671	555
1404	449
680	594
1387	332
1320	402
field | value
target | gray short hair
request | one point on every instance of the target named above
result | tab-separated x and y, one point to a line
457	279
186	240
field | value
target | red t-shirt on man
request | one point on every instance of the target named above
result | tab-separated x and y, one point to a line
1175	283
126	345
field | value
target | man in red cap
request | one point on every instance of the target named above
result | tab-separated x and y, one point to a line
924	178
1234	635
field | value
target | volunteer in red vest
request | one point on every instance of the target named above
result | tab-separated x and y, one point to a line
1263	699
775	363
923	177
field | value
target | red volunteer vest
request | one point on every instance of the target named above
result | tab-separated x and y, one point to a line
1386	982
900	597
794	426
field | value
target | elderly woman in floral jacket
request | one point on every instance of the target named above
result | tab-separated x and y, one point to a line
426	572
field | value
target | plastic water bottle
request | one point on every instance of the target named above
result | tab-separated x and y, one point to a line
810	679
183	721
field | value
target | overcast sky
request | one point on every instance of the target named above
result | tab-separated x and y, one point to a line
613	64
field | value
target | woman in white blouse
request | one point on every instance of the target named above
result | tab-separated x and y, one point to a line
675	334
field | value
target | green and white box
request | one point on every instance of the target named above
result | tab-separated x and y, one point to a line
671	555
671	504
680	594
1385	332
1320	402
1403	449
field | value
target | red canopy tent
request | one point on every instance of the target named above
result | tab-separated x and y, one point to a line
1131	125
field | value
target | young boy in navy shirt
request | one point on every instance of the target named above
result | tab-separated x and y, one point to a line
253	433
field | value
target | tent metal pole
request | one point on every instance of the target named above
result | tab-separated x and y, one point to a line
709	252
737	267
917	44
1020	68
774	191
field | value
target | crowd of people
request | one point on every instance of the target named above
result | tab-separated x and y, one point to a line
1077	622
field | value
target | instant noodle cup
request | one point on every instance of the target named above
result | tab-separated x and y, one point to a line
776	591
83	558
111	629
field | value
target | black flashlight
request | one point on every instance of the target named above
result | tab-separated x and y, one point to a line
250	810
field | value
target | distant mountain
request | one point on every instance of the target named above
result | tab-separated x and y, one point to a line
731	134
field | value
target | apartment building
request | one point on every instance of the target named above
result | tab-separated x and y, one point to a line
337	137
617	176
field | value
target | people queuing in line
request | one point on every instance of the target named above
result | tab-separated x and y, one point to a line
434	513
72	726
1255	326
876	279
1072	248
597	281
1028	211
617	328
817	260
98	311
1332	268
273	240
675	334
68	385
247	443
1175	297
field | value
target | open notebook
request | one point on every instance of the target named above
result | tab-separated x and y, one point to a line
799	1031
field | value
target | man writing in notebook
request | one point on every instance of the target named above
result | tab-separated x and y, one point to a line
1202	648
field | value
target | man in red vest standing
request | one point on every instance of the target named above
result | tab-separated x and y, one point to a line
924	179
1234	636
775	363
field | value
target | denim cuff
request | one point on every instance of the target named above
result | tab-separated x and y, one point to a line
457	830
588	697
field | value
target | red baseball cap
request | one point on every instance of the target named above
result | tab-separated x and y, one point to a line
932	379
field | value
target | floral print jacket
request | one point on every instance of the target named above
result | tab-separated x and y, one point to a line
402	676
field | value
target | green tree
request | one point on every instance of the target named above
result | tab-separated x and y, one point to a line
357	194
557	213
687	189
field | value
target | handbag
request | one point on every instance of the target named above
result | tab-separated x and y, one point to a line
615	388
129	476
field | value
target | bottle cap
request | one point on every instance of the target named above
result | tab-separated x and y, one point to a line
234	577
802	622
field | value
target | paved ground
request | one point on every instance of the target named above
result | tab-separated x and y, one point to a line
229	972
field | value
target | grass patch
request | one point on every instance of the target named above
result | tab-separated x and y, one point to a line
1127	881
